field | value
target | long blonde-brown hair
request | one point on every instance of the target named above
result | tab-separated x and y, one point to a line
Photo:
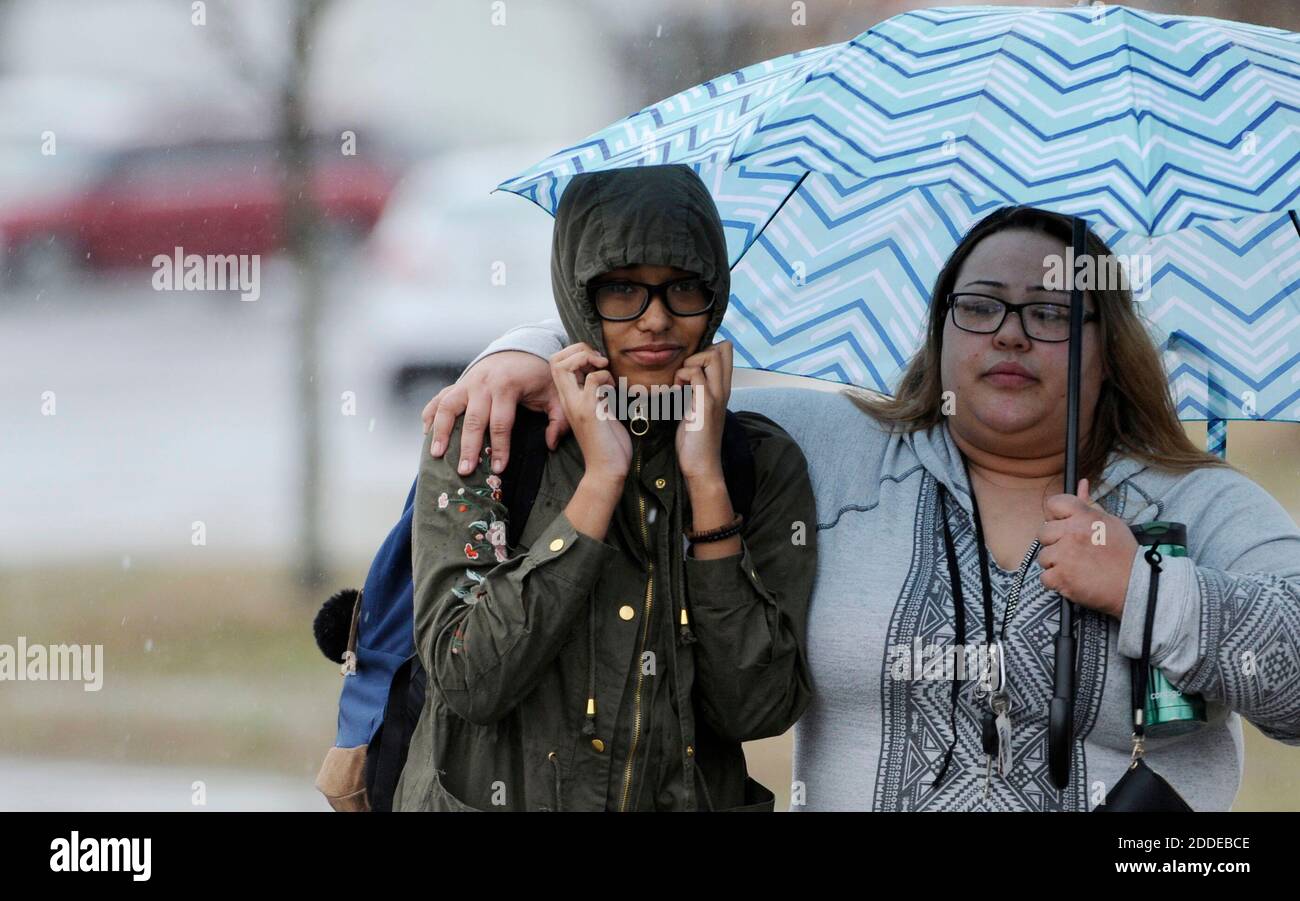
1135	413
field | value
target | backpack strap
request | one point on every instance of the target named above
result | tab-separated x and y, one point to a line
523	474
738	465
386	755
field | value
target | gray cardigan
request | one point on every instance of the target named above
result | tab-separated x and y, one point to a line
1227	624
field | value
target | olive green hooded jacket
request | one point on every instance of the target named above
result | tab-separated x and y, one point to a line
576	674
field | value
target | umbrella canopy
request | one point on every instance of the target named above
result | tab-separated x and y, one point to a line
845	175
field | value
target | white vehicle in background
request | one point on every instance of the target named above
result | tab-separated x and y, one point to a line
451	265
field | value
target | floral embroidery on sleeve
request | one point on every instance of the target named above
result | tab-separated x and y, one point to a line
486	541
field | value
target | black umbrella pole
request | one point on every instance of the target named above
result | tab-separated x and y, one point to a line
1060	721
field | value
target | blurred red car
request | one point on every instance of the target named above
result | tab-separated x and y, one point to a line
210	198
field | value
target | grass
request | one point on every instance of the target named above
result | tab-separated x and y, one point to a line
211	666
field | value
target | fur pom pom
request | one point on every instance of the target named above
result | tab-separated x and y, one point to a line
333	624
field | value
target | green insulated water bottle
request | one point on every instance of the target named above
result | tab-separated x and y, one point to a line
1168	711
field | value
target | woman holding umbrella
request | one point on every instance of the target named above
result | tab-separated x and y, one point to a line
941	522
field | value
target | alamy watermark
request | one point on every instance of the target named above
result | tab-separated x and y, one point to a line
53	663
941	662
240	272
76	854
1110	272
660	402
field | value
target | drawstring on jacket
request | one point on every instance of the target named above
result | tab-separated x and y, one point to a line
684	633
555	764
589	724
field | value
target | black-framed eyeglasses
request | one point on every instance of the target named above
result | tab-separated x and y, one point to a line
984	314
622	300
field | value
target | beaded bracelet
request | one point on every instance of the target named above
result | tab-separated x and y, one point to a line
717	534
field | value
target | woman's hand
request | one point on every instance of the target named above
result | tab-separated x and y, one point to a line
578	371
1087	554
699	435
487	394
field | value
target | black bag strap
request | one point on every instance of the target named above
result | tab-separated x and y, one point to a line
393	739
738	465
1141	668
523	473
1141	788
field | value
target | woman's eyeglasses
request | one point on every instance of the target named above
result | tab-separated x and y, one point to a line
984	314
622	300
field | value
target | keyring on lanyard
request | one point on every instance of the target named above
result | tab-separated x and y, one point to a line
995	722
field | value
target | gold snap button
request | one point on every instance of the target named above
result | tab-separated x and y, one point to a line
690	751
598	745
557	544
626	612
659	483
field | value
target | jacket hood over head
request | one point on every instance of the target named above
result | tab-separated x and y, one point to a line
652	215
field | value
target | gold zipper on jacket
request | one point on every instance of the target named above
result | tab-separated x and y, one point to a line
645	636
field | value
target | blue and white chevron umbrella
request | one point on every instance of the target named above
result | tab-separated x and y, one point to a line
845	175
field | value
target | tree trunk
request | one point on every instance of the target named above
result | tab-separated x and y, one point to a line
301	225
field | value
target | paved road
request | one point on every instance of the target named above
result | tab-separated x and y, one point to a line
30	784
176	408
